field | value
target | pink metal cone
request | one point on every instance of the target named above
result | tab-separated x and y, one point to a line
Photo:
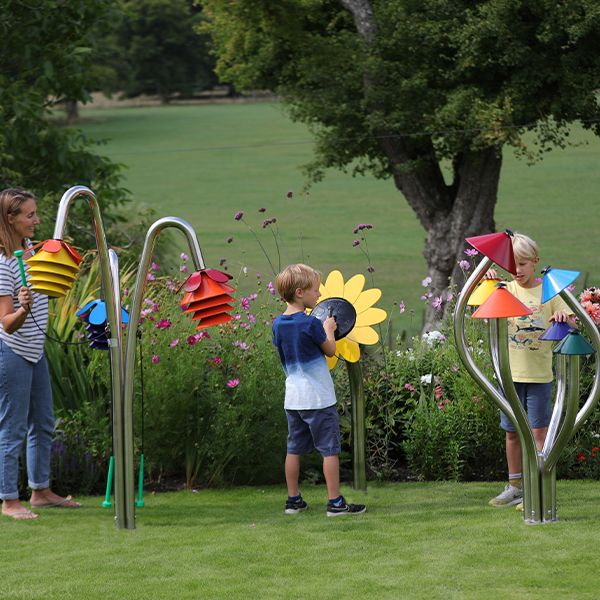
497	247
501	304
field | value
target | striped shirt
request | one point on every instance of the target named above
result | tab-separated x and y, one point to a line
28	340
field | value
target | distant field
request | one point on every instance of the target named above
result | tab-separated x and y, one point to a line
205	163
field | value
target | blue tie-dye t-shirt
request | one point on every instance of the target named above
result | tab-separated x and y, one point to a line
308	384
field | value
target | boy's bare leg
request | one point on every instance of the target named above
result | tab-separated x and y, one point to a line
331	470
292	474
513	447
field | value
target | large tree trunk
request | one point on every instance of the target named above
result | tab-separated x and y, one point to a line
448	213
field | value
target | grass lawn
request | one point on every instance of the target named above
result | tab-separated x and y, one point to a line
418	540
205	163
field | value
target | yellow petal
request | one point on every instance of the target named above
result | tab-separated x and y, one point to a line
367	299
363	335
331	361
354	287
371	316
348	350
335	284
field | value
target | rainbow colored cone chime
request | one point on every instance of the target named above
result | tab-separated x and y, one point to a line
208	297
53	268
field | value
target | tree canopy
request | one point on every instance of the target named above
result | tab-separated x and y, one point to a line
45	54
395	88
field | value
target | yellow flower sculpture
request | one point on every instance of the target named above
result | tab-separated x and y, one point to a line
366	315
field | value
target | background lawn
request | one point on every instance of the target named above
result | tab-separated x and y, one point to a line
423	540
204	163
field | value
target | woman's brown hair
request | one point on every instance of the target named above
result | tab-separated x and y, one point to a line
11	201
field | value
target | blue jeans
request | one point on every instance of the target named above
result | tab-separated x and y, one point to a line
26	414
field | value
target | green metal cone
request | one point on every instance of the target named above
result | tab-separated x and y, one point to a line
574	343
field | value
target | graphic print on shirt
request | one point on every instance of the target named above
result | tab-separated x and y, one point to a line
524	332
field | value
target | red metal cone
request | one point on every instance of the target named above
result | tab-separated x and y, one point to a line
497	247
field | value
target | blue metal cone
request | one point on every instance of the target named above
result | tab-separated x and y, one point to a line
555	281
574	343
556	332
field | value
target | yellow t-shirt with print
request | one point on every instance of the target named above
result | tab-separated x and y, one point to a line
530	357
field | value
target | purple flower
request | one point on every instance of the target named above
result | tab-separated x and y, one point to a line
238	215
233	383
271	288
229	239
184	257
356	242
362	226
464	265
222	261
156	359
183	268
437	303
163	324
471	252
174	343
261	210
241	344
290	194
371	269
402	306
150	277
268	222
426	281
245	303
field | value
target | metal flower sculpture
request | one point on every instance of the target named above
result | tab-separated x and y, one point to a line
366	314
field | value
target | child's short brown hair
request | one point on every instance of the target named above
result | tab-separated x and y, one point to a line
293	277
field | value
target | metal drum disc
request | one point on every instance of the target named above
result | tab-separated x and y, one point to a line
341	310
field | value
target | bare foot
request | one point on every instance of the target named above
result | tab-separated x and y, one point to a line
46	498
15	510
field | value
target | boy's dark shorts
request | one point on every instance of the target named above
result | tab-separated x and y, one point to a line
536	399
314	429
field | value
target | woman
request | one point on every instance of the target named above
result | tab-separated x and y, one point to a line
26	411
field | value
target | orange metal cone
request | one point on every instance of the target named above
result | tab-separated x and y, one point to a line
216	320
501	304
482	292
208	297
497	247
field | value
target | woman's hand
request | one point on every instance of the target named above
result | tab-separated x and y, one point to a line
25	298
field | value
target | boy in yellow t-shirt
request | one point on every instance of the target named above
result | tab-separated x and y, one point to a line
530	362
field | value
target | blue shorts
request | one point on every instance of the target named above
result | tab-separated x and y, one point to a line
314	429
536	399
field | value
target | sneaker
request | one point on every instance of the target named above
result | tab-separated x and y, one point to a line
510	496
345	509
519	507
293	507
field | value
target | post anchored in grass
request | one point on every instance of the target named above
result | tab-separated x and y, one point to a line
539	467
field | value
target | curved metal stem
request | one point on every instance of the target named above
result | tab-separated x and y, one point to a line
129	363
109	282
357	398
559	402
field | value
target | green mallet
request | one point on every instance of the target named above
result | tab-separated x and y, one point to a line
140	501
19	256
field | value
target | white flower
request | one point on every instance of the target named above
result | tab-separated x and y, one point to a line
433	336
426	379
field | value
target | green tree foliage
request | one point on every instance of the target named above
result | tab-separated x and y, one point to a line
161	51
44	59
398	88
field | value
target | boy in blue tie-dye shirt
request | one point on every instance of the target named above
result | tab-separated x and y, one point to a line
313	423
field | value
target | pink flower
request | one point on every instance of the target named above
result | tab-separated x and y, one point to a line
593	310
438	392
437	303
409	387
401	306
156	359
471	252
192	340
238	215
217	360
174	343
183	268
163	324
150	277
184	257
154	266
464	265
241	344
271	288
233	383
